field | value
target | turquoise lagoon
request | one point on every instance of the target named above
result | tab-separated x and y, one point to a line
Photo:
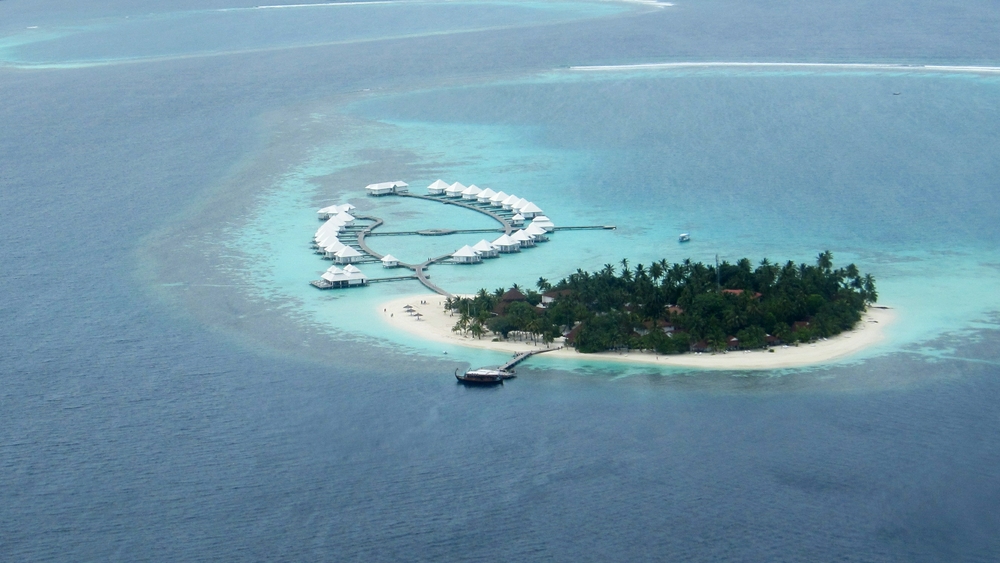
776	163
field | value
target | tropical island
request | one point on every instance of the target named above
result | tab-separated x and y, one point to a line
675	308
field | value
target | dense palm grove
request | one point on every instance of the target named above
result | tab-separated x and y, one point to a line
676	308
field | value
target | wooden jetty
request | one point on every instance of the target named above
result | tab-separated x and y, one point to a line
493	376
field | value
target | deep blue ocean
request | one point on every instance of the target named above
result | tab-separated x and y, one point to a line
172	390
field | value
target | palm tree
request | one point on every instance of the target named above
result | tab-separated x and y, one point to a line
870	294
655	271
543	284
825	260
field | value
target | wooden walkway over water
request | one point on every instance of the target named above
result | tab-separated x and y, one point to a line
518	358
356	235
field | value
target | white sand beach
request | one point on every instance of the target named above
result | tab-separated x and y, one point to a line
434	323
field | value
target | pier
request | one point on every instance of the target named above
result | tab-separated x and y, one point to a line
518	358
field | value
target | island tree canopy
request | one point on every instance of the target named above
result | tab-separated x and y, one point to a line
675	308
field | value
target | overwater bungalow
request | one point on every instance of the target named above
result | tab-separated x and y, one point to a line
325	212
437	188
530	210
517	220
347	255
508	203
519	204
466	255
506	245
344	218
389	261
544	222
348	277
485	249
485	195
471	193
497	199
536	232
524	238
454	190
330	251
386	188
355	276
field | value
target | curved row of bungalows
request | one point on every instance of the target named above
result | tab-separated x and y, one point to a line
486	196
350	276
387	188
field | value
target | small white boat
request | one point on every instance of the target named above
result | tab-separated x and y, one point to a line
685	237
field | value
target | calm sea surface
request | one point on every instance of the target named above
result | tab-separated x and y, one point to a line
172	390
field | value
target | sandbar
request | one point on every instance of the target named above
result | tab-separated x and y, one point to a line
434	324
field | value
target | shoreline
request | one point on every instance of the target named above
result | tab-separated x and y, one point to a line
435	325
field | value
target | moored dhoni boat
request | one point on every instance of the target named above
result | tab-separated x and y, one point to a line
685	237
484	376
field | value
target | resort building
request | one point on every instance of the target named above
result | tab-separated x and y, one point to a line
536	232
497	199
508	203
325	212
437	188
506	245
485	249
330	251
549	297
485	195
354	275
386	188
543	222
344	218
350	276
347	255
524	238
530	210
454	190
519	204
517	220
389	261
466	255
471	193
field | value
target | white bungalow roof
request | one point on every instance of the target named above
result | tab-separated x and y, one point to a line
464	252
517	217
455	188
486	194
511	200
541	218
534	229
343	216
353	272
385	185
505	240
326	238
520	236
483	246
329	209
531	208
389	258
471	190
345	207
347	252
499	197
438	185
520	203
335	246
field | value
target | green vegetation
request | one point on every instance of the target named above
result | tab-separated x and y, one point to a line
676	308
